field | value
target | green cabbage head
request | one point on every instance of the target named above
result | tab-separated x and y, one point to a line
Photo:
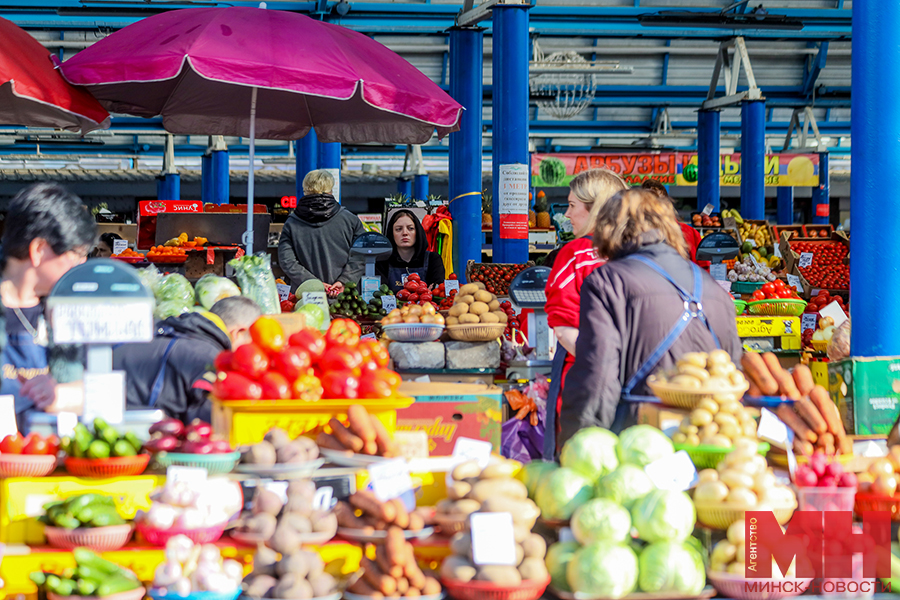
603	569
561	492
642	444
558	557
626	485
590	452
664	515
601	519
672	568
531	473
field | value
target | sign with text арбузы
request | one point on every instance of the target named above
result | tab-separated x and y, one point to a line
513	202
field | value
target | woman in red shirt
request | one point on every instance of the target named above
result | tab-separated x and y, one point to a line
589	190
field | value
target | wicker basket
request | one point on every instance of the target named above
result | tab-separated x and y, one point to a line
869	502
159	537
413	332
27	465
164	594
98	539
215	464
708	457
785	307
721	516
820	345
733	586
483	590
679	397
121	466
739	307
476	332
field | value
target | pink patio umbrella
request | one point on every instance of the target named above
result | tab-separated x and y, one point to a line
262	73
32	92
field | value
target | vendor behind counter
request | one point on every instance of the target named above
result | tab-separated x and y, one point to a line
410	254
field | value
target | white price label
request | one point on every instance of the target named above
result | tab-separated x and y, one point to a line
403	279
65	424
102	323
808	321
389	303
323	499
284	291
7	416
806	259
368	336
719	271
279	488
320	299
104	396
773	430
390	479
451	285
34	504
792	461
794	282
119	246
189	475
468	449
753	259
707	210
674	473
836	313
493	539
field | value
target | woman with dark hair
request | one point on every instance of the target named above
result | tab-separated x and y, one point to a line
48	231
104	248
410	255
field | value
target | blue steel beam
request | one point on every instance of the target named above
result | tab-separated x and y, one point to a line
814	69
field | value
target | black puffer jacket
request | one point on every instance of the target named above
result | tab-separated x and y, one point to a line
192	342
626	311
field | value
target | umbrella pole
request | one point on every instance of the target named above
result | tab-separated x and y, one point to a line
250	178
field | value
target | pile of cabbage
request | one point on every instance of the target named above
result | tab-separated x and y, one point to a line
601	488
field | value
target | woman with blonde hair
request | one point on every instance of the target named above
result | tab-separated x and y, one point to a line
642	311
575	261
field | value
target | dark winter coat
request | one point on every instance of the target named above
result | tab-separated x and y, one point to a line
626	311
192	342
434	273
315	242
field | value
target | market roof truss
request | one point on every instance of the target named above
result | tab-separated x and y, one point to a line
809	120
729	66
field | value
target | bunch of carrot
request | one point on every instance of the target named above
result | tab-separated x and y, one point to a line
813	416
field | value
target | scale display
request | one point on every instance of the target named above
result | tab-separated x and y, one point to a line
527	289
372	244
717	247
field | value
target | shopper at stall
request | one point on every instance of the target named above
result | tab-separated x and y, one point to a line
645	308
691	236
589	190
48	231
316	239
410	255
174	372
104	247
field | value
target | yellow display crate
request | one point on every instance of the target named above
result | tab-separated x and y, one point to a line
22	499
247	421
783	333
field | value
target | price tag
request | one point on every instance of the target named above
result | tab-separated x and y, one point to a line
753	259
794	282
390	479
674	473
102	323
707	210
469	449
189	475
389	303
104	396
834	311
34	504
792	460
323	499
451	285
725	285
368	336
719	271
284	291
777	250
65	424
279	488
493	539
808	321
403	279
320	299
805	259
7	416
773	430
119	246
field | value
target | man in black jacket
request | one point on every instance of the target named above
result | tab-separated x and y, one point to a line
174	372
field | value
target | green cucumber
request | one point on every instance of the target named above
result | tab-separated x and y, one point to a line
98	449
109	435
39	578
107	520
99	425
87	558
132	439
116	585
86	587
92	511
76	503
123	448
67	521
66	587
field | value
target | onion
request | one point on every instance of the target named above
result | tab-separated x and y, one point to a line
210	553
161	516
182	587
234	570
166	574
169	426
178	549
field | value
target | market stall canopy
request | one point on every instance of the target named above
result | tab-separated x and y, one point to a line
32	92
197	68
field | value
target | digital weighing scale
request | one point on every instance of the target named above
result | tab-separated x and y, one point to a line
527	290
717	247
372	247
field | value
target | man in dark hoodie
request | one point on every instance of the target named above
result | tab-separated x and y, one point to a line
175	372
316	239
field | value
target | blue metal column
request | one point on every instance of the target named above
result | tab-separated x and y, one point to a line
821	200
510	141
466	87
708	159
875	125
420	187
329	155
168	187
753	159
785	206
221	177
206	179
307	158
404	187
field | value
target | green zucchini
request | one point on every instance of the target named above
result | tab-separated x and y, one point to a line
107	520
116	585
86	587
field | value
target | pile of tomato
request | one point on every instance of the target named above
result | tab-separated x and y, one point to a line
776	290
496	278
823	299
415	290
305	366
33	443
828	269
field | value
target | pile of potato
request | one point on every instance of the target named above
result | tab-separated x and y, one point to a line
531	550
363	434
278	448
394	571
718	421
492	489
474	304
299	575
413	313
708	373
282	524
366	512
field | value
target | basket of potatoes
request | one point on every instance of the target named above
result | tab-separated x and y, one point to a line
475	315
698	375
708	434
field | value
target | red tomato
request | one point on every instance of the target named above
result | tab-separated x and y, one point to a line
292	362
342	332
768	287
52	444
340	384
426	297
223	360
403	295
268	334
414	277
250	360
12	444
759	295
377	384
340	358
35	444
307	387
422	289
411	286
275	386
373	353
452	276
413	298
234	386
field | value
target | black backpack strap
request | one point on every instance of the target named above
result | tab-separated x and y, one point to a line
160	380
